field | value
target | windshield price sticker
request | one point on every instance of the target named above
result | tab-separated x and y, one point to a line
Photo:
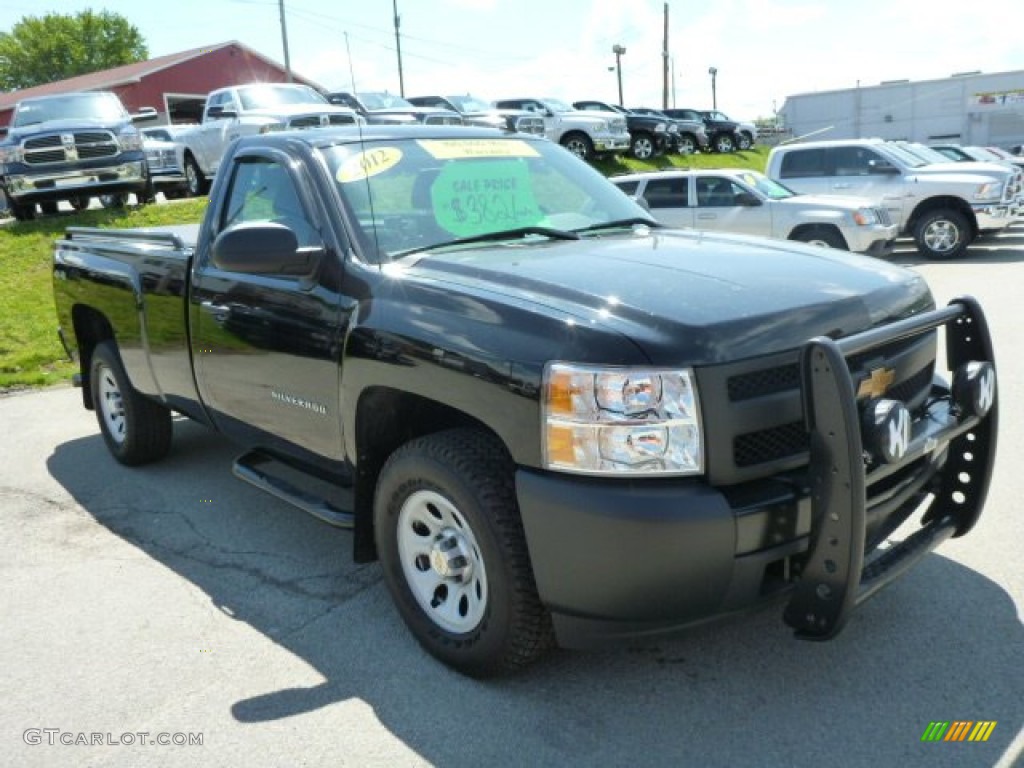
474	198
367	163
457	149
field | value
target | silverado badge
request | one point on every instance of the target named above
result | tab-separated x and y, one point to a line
877	383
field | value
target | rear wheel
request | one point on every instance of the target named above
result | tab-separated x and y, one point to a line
49	208
686	144
79	203
116	200
454	556
941	235
579	144
137	430
744	141
724	143
23	212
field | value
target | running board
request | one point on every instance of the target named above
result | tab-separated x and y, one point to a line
252	468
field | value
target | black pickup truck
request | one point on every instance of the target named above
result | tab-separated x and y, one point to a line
551	419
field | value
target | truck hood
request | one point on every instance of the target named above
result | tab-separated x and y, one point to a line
974	168
293	110
848	202
686	297
76	124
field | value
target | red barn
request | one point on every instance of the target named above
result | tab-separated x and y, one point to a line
175	85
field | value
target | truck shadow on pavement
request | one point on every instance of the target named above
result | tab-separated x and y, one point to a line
943	644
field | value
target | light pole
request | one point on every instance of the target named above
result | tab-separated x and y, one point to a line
713	71
618	50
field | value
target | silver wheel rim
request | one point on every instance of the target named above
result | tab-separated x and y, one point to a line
819	243
941	236
192	178
642	149
441	562
686	146
577	147
111	404
724	145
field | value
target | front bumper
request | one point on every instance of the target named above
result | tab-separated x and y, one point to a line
611	143
874	240
617	559
50	185
993	217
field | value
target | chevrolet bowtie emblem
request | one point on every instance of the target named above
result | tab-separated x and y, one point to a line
876	384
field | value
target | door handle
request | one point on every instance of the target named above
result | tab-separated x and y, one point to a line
707	215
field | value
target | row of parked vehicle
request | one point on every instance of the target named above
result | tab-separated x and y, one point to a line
857	195
109	159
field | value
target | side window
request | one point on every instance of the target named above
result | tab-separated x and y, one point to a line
629	187
803	163
667	193
262	190
851	161
716	192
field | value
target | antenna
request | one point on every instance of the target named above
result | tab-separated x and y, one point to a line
362	144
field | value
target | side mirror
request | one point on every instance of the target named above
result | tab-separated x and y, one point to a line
144	114
220	113
262	248
746	199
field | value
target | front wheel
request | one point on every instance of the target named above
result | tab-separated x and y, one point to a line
744	141
195	181
454	556
686	144
137	430
579	144
820	236
116	200
942	235
642	146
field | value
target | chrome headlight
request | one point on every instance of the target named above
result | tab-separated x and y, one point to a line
11	154
660	128
617	421
865	217
993	190
129	140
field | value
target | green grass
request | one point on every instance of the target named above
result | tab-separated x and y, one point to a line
31	355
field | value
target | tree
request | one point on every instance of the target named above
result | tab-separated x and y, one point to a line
56	46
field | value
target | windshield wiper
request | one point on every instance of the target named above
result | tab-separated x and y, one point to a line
620	223
505	234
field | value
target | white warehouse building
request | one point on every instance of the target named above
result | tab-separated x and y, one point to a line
969	108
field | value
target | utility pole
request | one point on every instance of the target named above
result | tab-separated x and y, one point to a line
398	47
665	66
618	50
713	71
284	39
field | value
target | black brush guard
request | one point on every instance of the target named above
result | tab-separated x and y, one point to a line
834	578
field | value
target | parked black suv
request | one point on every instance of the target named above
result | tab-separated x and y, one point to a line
648	135
71	146
722	133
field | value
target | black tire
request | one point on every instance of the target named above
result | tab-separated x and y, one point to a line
79	203
641	146
137	430
941	235
49	208
195	181
450	497
686	144
579	144
744	141
821	236
723	143
23	212
116	200
148	195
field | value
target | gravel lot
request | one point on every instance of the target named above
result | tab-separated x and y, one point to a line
176	600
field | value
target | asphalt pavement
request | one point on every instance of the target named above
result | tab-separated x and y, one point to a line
173	603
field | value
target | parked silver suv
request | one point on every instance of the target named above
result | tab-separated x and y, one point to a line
585	134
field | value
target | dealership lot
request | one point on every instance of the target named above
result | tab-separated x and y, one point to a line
174	601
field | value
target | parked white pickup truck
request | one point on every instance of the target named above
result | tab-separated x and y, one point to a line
243	110
943	207
749	203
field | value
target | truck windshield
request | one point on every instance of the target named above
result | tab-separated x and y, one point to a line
409	195
269	96
73	106
767	187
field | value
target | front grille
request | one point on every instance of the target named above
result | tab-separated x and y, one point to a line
883	216
770	444
617	125
534	125
764	382
443	120
161	159
68	147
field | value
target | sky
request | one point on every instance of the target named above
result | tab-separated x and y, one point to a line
763	50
